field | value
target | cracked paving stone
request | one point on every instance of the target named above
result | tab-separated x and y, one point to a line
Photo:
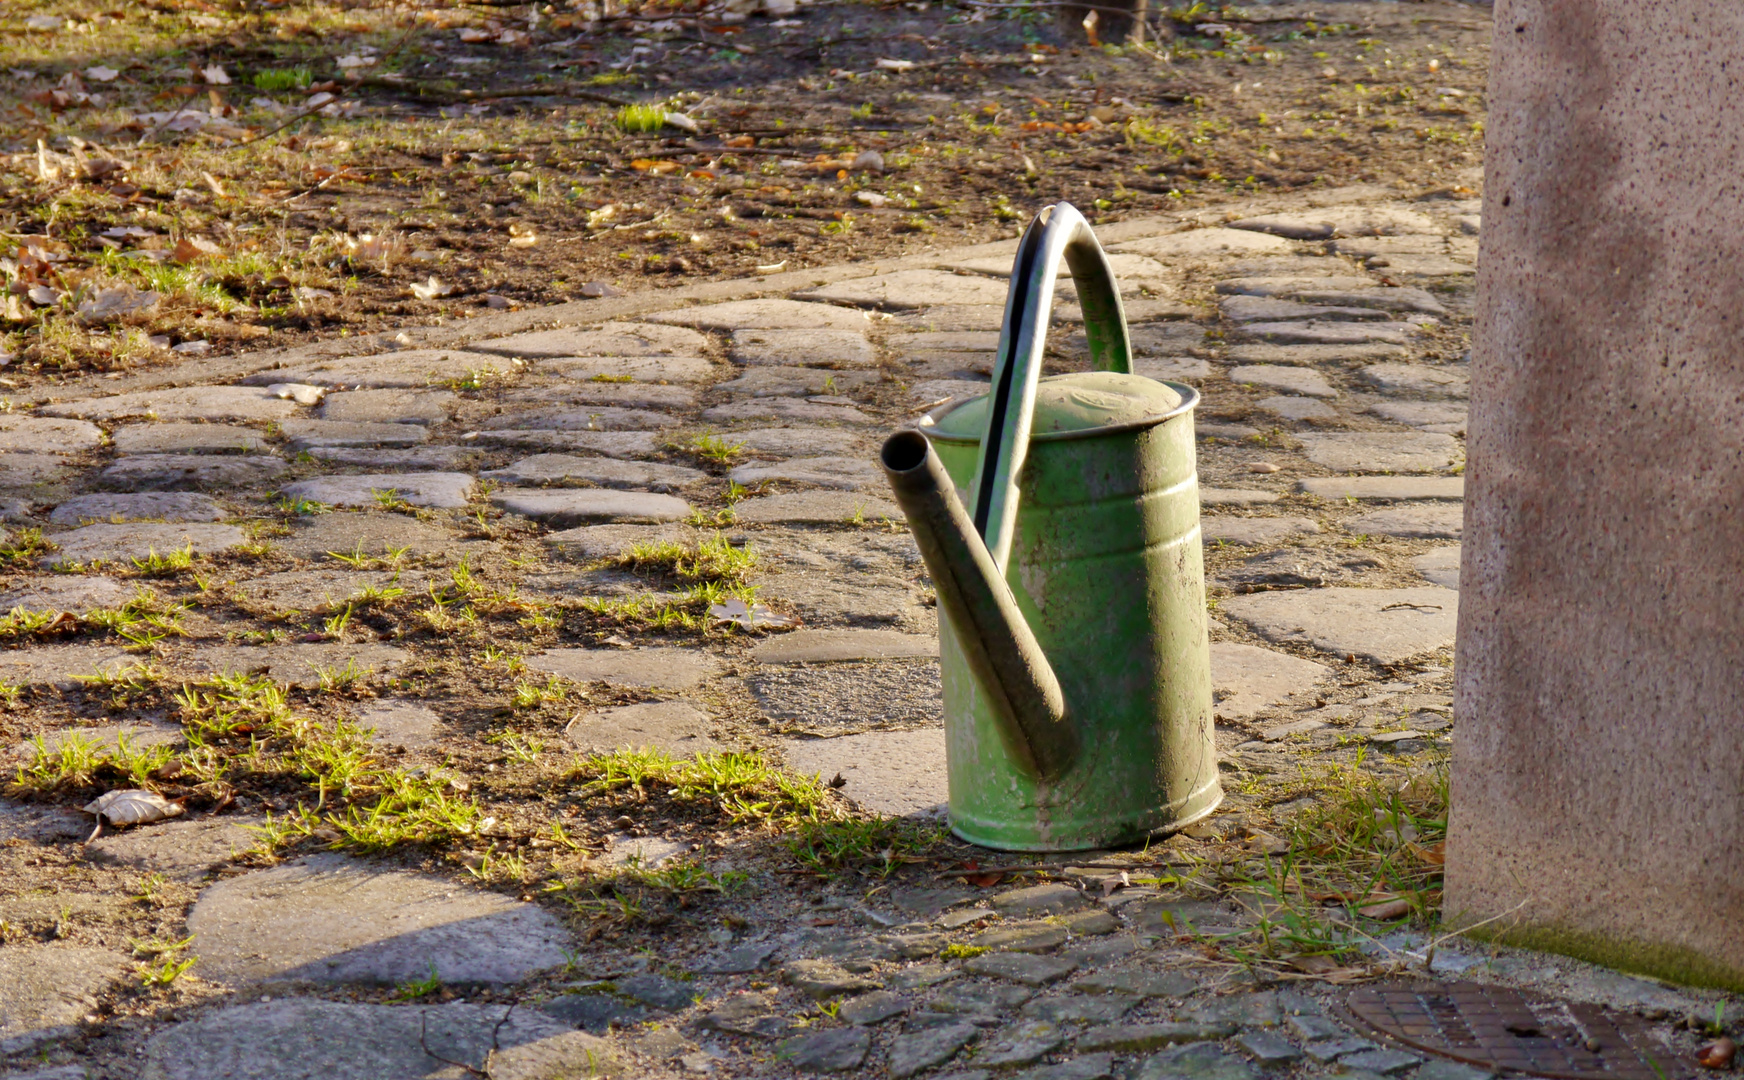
1046	899
1021	967
918	946
1086	1067
595	1014
764	314
676	727
1139	983
1439	565
1250	1010
330	919
163	506
871	1009
1200	1061
837	1050
1151	1036
312	434
182	850
145	472
338	1041
663	667
1020	1044
46	989
606	472
1021	937
123	543
574	506
1383	625
1325	1050
822	980
980	998
388	406
1267	1048
441	490
916	1051
1103	1009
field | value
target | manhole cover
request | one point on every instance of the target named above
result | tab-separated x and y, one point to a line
1510	1032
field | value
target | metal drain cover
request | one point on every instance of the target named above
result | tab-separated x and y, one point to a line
1507	1031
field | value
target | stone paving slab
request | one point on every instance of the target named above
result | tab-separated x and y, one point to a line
786	409
1204	243
642	369
1384	488
803	348
1420	379
851	474
610	339
1440	566
895	773
443	490
189	403
310	434
1431	521
331	919
77	593
1294	380
767	314
161	506
306	1039
822	646
1214	496
570	507
796	381
157	472
605	541
1328	222
653	667
618	444
33	434
409	369
1369	452
365	533
1271	309
676	727
419	459
906	289
1251	531
1185	369
948	316
1247	678
46	989
299	665
181	850
1420	413
555	468
388	406
1293	287
1383	625
631	395
1311	355
401	723
187	438
600	418
802	441
123	543
1297	408
1331	332
816	507
62	666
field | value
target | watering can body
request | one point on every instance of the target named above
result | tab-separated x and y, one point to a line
1073	637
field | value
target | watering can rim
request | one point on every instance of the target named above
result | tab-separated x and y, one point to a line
927	424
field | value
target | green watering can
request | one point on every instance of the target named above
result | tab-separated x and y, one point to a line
1072	635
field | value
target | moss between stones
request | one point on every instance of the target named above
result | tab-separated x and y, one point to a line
1673	963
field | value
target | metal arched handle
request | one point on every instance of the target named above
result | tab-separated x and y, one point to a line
1059	231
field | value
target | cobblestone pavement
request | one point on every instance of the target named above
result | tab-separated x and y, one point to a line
480	623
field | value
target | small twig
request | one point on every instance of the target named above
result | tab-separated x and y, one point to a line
305	114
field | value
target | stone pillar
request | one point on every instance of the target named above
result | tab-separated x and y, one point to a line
1598	776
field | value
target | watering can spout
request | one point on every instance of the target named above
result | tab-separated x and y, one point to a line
996	640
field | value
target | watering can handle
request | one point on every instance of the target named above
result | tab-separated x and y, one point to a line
1058	231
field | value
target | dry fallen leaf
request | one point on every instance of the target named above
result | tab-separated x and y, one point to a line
522	236
101	73
106	304
1390	909
895	65
1718	1054
193	249
215	75
751	617
133	807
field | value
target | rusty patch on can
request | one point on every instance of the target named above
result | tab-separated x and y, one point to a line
1507	1031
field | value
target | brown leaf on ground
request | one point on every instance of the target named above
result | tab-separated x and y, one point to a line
1718	1054
1389	909
194	249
